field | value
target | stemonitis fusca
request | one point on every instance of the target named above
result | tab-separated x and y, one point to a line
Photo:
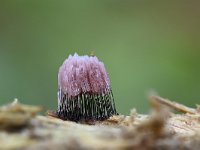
84	91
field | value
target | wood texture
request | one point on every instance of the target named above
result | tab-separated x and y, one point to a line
22	128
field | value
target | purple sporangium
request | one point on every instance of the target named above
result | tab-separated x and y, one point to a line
84	91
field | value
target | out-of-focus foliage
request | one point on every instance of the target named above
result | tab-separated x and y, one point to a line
145	45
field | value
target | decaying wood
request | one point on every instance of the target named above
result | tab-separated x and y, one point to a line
22	128
174	105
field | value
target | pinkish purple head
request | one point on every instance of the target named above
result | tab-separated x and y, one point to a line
84	89
82	74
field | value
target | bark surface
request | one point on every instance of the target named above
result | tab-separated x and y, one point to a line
22	128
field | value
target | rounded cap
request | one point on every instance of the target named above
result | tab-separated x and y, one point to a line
83	74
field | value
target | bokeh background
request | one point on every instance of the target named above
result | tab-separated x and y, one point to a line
145	45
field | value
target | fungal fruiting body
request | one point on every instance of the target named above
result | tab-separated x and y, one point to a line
84	91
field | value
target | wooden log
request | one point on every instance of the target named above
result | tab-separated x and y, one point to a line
22	128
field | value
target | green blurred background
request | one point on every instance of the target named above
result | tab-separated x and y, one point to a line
145	45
